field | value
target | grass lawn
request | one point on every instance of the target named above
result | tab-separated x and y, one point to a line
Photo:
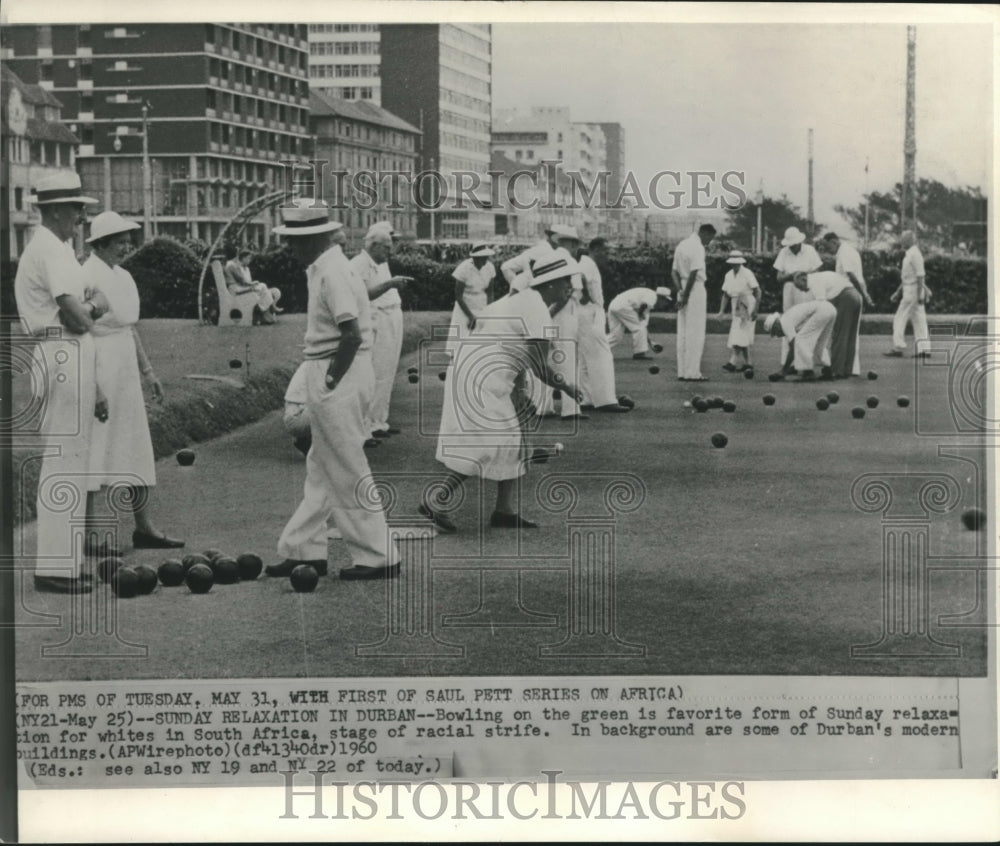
749	559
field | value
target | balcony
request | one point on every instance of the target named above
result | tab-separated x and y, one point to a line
83	84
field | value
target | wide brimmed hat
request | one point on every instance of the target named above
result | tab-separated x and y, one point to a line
306	217
793	235
561	230
481	251
770	320
663	291
736	257
109	223
559	265
381	226
62	187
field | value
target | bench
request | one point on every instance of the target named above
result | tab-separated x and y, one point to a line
234	309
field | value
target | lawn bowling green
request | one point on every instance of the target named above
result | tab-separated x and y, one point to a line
748	559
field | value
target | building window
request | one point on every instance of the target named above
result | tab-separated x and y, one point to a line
45	72
559	139
19	199
518	155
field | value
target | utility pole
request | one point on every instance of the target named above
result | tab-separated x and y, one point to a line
867	204
758	245
908	202
811	219
147	176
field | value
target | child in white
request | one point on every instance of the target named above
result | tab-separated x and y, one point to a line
740	287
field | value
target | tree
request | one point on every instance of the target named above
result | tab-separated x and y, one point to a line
944	215
776	216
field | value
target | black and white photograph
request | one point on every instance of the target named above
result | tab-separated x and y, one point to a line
417	413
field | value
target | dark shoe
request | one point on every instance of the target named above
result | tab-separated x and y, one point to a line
613	408
285	567
922	354
540	456
303	444
371	443
392	430
575	417
807	376
776	377
698	379
642	357
893	354
94	550
358	572
64	584
438	519
499	520
144	540
381	434
729	368
827	373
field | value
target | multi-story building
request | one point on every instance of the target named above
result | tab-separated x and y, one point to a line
220	107
344	60
35	145
356	137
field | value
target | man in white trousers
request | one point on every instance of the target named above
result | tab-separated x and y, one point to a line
50	292
628	313
339	382
688	272
371	266
807	328
597	364
912	294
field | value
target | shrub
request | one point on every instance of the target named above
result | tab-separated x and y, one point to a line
166	273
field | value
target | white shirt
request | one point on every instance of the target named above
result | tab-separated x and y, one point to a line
796	316
913	266
592	280
336	295
372	274
118	286
806	261
827	284
634	299
689	257
849	261
47	269
478	279
739	284
509	320
522	263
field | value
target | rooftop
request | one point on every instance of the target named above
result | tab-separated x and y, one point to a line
326	105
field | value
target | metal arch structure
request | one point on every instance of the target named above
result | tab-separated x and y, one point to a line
240	221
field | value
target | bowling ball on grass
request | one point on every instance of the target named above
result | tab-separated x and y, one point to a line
125	583
200	578
171	572
147	578
304	578
249	566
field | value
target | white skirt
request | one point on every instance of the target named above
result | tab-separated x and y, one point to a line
121	448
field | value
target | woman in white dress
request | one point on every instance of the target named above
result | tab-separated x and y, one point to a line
473	278
121	452
740	286
480	432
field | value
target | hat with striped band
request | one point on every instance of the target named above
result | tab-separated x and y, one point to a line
306	217
62	187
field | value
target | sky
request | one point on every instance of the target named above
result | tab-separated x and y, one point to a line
743	97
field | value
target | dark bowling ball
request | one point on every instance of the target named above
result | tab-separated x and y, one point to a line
626	401
443	375
903	401
833	397
872	402
107	567
235	363
654	369
700	404
857	412
412	370
225	570
414	378
185	457
872	375
822	403
194	558
748	373
717	402
125	583
974	519
147	578
304	578
212	554
657	348
769	399
250	566
719	440
171	572
729	407
200	578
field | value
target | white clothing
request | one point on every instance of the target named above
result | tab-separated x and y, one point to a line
691	333
48	269
592	282
387	336
910	310
296	415
480	434
477	283
521	263
739	285
827	284
238	274
792	296
594	358
689	256
629	313
809	325
806	260
121	447
563	359
336	466
849	261
913	266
